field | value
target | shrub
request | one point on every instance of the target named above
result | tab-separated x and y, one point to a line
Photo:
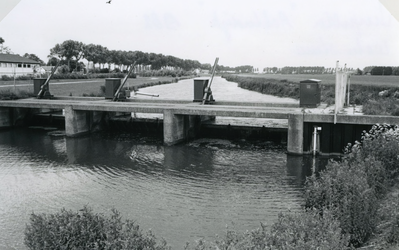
86	230
393	233
382	142
63	69
25	77
308	230
343	188
381	106
10	95
352	187
6	78
305	230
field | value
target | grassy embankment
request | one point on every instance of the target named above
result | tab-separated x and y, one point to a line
379	95
76	87
345	206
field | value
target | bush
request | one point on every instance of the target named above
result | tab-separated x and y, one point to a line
352	187
86	230
6	78
63	69
343	188
381	106
393	233
382	142
10	95
306	230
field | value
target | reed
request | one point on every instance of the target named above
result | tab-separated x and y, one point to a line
376	99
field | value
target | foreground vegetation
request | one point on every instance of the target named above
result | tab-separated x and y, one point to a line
376	98
345	206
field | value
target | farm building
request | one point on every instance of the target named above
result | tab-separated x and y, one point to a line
18	65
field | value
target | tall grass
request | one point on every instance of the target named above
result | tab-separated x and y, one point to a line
9	94
281	88
376	99
353	188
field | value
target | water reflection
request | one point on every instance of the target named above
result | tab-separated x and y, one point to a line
182	192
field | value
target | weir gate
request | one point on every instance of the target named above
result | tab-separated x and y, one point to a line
309	130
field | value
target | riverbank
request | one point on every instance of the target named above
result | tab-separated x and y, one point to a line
377	95
78	87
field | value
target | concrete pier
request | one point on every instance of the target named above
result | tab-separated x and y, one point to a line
295	134
178	128
78	122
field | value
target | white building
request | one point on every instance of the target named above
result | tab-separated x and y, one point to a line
11	65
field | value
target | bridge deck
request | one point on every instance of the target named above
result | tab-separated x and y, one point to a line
227	109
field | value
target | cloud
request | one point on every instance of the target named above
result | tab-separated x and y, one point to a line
261	33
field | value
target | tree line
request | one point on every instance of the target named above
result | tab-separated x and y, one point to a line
72	52
300	70
369	70
381	70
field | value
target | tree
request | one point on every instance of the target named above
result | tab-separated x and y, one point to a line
4	49
34	57
367	69
71	50
52	61
381	70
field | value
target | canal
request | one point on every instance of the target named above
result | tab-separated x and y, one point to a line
181	193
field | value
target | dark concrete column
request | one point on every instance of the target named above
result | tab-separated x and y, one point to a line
5	118
173	128
96	121
177	128
77	122
295	134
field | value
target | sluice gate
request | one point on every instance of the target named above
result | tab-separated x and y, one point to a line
184	120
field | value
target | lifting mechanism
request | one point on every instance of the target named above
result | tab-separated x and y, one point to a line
120	95
44	92
208	97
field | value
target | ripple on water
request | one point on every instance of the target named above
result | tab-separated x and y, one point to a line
181	192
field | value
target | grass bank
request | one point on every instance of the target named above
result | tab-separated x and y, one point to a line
80	87
379	96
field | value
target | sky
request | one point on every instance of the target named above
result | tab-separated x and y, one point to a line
261	33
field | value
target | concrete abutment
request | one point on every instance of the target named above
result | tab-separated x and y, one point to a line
295	134
78	122
178	128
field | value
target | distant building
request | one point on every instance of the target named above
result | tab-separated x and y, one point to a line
18	65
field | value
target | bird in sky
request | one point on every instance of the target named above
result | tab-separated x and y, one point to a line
109	1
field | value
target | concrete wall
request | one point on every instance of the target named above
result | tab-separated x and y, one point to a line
10	117
178	128
78	122
5	117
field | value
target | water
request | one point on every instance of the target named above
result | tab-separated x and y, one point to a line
222	90
181	193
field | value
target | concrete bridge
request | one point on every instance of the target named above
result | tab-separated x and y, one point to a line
183	118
